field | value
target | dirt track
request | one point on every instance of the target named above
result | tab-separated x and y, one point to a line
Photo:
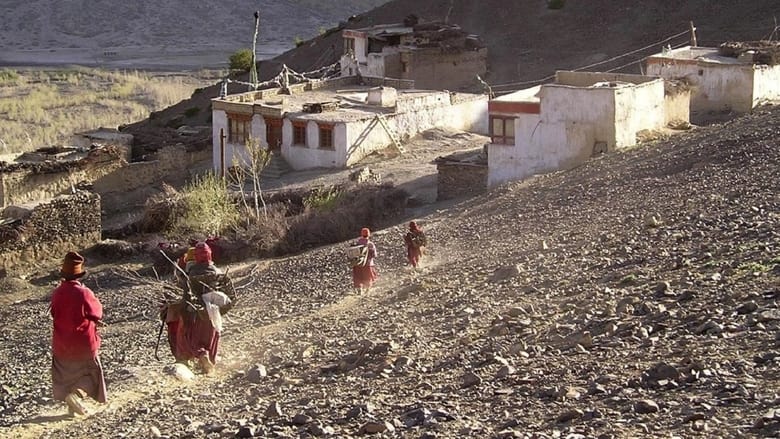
634	296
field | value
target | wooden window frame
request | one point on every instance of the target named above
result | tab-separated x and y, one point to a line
239	128
503	138
296	141
324	128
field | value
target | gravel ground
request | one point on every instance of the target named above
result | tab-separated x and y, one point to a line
636	295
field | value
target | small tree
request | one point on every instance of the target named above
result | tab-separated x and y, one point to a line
241	60
250	165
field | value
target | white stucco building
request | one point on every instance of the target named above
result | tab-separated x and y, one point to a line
560	125
433	55
719	82
338	122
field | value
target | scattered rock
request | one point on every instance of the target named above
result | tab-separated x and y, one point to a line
569	416
505	371
375	427
747	307
256	374
273	410
246	431
301	419
180	371
471	379
646	406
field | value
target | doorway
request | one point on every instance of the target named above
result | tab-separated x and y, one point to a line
273	133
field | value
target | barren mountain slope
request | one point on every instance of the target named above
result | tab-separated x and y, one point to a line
634	296
147	32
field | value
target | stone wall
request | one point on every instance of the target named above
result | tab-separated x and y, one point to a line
50	229
458	180
29	182
437	69
128	186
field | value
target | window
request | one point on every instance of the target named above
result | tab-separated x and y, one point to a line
349	46
326	137
502	130
239	127
299	133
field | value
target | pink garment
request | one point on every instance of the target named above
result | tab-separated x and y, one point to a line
75	311
365	275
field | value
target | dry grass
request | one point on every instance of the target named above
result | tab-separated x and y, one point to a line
44	107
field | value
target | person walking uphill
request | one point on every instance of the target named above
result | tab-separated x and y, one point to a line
415	244
363	268
195	321
76	369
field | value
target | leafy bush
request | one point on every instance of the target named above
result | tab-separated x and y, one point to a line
298	41
192	111
241	60
322	199
207	209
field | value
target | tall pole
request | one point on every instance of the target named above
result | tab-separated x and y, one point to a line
693	35
222	153
253	70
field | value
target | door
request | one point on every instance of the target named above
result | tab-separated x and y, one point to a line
273	133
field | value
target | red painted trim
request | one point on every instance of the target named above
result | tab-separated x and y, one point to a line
514	107
348	33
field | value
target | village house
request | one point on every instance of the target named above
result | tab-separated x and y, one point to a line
435	56
335	123
560	125
732	78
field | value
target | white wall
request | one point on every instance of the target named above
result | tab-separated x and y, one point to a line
218	122
375	65
365	137
638	108
571	121
717	87
311	156
766	84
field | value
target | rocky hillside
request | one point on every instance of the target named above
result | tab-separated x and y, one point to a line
635	296
167	33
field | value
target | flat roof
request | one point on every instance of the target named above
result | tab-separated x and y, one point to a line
530	95
704	54
386	30
352	102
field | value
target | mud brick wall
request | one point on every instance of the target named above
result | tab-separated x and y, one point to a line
41	181
458	180
54	227
172	164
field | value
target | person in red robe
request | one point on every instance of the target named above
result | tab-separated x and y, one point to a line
415	244
77	313
364	274
191	334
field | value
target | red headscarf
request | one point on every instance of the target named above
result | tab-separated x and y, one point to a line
202	253
365	232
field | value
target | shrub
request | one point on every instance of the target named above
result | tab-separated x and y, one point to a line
207	209
555	4
241	60
298	41
322	199
192	111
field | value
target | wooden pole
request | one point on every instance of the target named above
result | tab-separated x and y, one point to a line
693	35
222	153
253	69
